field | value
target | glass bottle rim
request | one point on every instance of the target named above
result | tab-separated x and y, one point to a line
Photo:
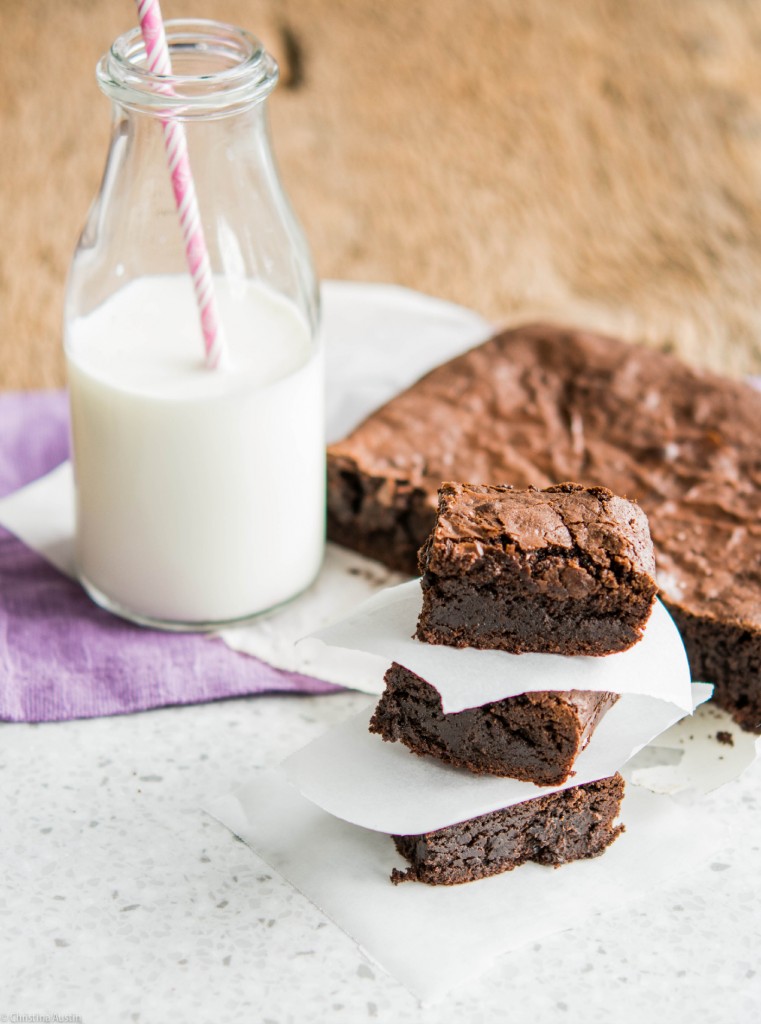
240	71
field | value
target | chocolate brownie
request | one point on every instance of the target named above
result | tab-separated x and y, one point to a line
534	737
539	405
573	824
567	570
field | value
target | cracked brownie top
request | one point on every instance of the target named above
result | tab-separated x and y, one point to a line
478	525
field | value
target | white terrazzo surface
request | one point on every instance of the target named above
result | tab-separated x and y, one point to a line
120	900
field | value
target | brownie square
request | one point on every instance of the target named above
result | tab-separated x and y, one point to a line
573	824
565	570
534	737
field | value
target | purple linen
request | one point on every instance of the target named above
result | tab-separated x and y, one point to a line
62	657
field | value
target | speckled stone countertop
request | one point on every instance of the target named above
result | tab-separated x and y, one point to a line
121	900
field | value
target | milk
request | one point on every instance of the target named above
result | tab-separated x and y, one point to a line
200	493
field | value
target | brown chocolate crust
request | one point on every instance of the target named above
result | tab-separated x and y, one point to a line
565	570
538	405
573	824
534	737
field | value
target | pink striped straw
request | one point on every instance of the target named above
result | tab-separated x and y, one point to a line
175	143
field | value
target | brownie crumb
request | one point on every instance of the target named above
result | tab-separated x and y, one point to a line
722	736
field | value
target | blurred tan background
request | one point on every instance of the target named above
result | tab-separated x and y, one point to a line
597	161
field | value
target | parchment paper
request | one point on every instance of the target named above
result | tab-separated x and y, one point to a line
383	626
357	776
698	753
434	938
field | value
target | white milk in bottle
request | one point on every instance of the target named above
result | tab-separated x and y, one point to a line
200	493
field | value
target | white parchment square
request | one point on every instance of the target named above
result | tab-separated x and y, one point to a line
383	626
434	938
355	775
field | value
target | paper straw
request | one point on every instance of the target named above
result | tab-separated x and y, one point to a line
175	143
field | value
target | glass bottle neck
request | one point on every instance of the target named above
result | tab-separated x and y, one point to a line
217	70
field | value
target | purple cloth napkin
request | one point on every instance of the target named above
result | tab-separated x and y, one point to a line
62	657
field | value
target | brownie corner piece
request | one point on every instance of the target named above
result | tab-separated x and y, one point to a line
565	570
572	824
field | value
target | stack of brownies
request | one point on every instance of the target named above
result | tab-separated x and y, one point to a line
567	570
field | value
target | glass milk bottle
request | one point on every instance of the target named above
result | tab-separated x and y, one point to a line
200	492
